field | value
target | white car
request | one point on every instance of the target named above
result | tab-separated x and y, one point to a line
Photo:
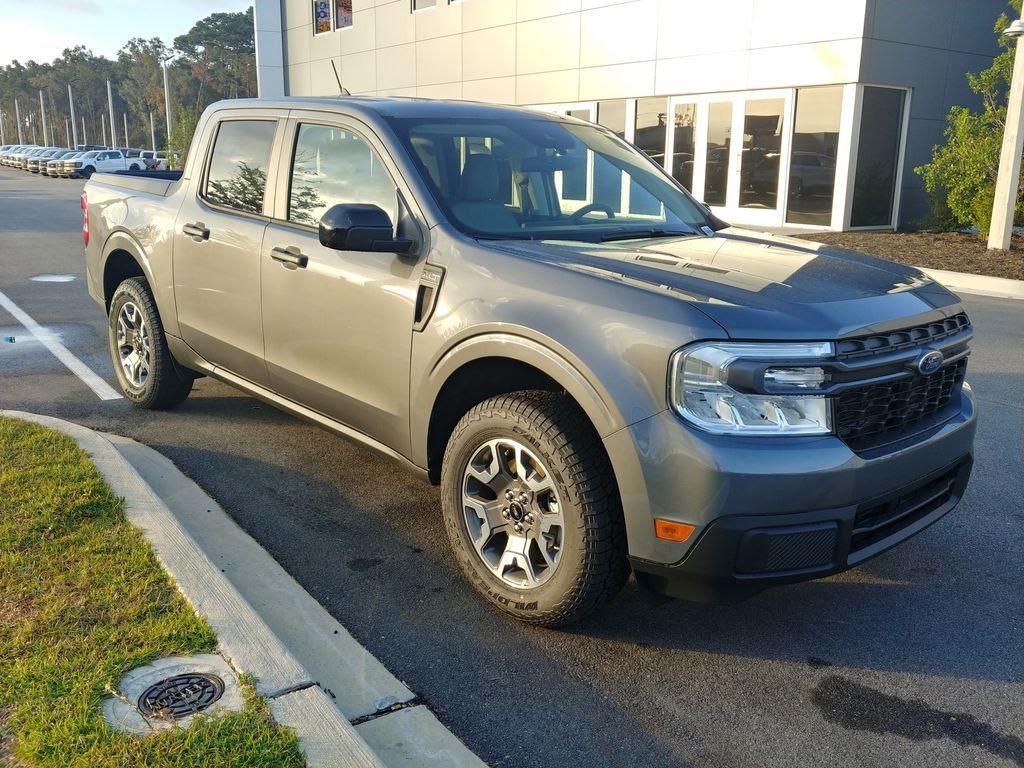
105	161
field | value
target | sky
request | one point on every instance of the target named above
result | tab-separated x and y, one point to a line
42	29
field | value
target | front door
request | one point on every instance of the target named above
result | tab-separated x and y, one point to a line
337	324
217	239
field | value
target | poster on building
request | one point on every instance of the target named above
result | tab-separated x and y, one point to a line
322	15
344	14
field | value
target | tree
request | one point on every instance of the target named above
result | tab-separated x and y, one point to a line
182	130
960	179
221	52
140	75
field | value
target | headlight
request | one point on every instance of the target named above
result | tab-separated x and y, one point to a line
752	389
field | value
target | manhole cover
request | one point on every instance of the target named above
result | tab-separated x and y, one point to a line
181	695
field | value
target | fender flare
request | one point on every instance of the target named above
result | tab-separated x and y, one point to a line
514	344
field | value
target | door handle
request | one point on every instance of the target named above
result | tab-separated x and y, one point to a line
197	231
290	257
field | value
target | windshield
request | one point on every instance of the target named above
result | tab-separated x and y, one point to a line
537	178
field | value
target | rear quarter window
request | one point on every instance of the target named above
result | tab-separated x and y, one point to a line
237	174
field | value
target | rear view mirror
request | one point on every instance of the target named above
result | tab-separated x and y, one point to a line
360	227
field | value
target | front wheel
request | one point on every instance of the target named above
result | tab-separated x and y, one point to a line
88	171
143	364
532	509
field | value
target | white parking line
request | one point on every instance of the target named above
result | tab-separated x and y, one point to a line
103	390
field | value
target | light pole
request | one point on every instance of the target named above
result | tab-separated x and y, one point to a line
126	142
152	131
17	118
3	134
74	127
1013	145
42	112
167	98
113	125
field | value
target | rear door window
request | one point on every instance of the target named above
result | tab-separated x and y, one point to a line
237	174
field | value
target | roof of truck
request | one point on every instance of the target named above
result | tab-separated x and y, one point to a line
389	107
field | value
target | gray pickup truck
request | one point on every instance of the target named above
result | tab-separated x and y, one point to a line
600	374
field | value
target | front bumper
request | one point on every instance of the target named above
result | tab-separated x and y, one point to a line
771	511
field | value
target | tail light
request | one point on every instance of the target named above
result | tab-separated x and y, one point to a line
85	220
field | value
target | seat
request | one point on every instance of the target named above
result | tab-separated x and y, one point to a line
479	206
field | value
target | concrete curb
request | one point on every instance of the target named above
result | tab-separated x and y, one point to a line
327	737
981	285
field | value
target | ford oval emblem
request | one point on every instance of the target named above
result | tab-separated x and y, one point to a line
929	362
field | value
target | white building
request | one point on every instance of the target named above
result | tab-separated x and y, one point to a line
811	113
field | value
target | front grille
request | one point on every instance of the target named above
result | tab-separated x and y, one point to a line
919	336
877	520
877	414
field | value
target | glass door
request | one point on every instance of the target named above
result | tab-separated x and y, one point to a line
732	152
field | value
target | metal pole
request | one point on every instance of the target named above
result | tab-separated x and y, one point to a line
1008	179
110	104
74	128
103	129
152	131
67	132
3	135
42	113
17	117
126	142
85	136
167	103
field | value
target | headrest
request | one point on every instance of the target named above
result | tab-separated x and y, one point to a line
480	178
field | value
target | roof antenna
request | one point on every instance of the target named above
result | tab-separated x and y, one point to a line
344	91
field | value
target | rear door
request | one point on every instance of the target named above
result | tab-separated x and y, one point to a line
338	324
218	235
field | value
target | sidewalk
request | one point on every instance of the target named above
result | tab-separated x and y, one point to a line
345	707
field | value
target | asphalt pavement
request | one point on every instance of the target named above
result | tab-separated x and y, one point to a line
914	659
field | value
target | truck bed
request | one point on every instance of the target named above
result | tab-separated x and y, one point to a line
157	183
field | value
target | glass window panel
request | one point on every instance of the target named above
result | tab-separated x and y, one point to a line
321	16
237	176
762	142
334	166
342	14
812	166
874	188
716	169
650	131
685	126
608	178
420	4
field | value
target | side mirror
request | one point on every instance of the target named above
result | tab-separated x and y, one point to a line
360	227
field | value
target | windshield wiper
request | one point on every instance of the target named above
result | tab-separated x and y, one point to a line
642	234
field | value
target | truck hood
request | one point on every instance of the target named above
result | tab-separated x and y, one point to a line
762	286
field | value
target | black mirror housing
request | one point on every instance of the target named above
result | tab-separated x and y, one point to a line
360	227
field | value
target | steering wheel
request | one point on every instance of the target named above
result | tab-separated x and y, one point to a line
590	209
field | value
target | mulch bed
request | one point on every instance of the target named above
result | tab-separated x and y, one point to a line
954	251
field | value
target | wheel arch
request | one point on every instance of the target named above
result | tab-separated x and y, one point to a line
491	365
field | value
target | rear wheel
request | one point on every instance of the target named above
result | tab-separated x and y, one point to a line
532	509
143	364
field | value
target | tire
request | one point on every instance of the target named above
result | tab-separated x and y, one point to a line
88	171
134	167
163	385
562	451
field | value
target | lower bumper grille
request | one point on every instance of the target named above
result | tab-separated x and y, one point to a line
877	414
880	519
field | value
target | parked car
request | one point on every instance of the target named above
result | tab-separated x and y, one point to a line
38	163
23	159
155	161
53	165
594	390
8	154
104	161
13	159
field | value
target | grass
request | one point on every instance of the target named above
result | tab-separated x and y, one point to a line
954	251
83	600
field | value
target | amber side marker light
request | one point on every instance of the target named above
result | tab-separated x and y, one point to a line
666	529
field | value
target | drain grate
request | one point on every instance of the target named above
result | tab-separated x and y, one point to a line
181	695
